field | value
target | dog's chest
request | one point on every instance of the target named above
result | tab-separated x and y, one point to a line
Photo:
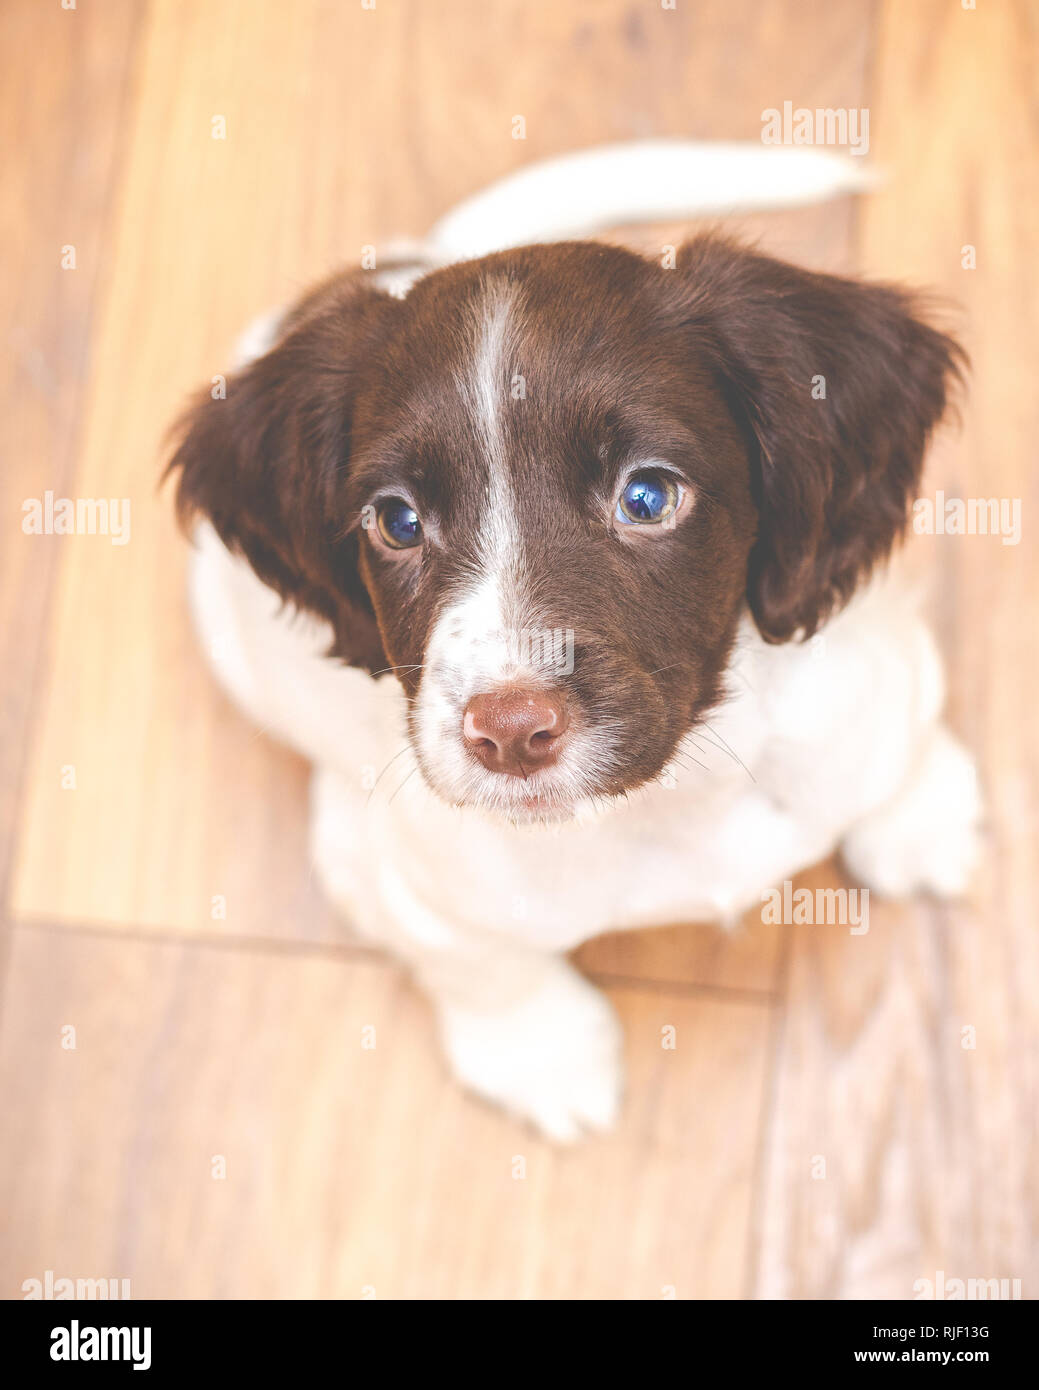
635	865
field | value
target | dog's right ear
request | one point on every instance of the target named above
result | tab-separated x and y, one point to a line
839	384
266	463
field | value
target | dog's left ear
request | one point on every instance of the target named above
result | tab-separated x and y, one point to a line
267	463
838	384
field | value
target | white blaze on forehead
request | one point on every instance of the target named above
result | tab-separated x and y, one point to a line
488	612
485	390
484	383
478	641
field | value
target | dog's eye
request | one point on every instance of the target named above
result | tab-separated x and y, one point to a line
647	499
398	524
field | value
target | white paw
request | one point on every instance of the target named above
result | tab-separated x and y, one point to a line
554	1058
928	840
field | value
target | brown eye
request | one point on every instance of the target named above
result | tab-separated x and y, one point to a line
398	524
648	499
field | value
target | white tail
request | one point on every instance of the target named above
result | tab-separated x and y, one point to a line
640	181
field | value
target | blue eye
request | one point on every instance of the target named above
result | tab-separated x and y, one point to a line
647	499
398	524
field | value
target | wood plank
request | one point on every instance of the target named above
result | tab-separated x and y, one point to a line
931	1146
186	1052
64	121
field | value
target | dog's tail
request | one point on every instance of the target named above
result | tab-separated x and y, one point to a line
640	181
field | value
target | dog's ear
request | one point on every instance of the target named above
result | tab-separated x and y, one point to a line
838	384
266	463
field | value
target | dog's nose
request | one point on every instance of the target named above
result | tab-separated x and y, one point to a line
515	731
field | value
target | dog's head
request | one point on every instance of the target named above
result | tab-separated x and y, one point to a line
541	487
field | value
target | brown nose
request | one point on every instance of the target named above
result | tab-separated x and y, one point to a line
515	731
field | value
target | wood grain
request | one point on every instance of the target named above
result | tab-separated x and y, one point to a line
63	120
931	1145
346	1166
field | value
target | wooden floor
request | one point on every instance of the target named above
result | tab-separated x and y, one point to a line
821	1130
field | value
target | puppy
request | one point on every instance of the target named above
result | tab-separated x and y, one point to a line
558	564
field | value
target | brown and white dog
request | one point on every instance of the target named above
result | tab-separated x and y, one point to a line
554	524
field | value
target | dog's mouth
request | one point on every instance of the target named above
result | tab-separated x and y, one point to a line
530	803
568	790
540	798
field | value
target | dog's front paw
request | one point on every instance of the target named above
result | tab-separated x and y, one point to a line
554	1058
928	840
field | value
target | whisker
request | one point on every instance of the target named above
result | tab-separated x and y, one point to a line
685	754
667	668
415	666
405	749
728	748
403	784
